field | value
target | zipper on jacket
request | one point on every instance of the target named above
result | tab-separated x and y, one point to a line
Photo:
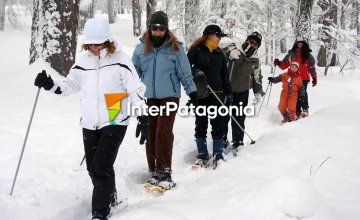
154	74
97	93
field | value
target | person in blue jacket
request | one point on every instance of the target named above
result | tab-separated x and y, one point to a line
162	65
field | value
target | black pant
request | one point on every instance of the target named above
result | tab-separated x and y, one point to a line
201	122
237	133
101	148
303	103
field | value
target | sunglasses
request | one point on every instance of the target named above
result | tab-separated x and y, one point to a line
96	45
253	42
155	27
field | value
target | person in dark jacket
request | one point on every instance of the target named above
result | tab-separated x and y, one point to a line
208	61
162	65
245	74
301	53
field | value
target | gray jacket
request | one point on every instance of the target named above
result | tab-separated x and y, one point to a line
245	73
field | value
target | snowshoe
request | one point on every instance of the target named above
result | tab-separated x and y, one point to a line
216	159
304	114
202	160
236	147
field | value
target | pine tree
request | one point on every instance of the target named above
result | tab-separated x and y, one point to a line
53	36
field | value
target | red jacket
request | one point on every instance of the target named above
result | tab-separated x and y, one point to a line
306	68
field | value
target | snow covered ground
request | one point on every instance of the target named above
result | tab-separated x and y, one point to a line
268	180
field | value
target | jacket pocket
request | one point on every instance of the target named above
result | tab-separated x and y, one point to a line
173	83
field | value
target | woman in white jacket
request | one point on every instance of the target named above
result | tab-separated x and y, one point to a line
101	71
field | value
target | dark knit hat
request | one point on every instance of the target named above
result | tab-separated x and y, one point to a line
159	17
256	37
213	29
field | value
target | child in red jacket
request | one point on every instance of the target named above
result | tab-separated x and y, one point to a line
291	89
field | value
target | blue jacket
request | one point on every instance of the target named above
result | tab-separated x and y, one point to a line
162	70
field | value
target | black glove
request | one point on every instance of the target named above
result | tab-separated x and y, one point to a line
314	81
229	99
42	80
198	73
141	127
271	79
193	99
277	62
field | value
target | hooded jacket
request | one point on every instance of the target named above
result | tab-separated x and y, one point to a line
162	70
291	84
95	76
244	73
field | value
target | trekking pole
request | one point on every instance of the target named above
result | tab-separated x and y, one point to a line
24	144
217	97
262	102
82	161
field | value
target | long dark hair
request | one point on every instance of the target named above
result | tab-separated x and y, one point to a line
148	44
305	50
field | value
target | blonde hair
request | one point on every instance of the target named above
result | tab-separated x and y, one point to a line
109	46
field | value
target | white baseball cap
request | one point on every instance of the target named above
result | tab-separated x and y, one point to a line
97	31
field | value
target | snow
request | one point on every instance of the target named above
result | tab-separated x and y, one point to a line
269	180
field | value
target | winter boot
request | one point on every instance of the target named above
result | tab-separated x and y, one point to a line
203	156
101	215
304	114
226	146
165	180
235	147
217	152
286	118
202	160
153	178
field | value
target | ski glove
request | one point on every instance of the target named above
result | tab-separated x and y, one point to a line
42	80
277	62
229	99
271	79
257	98
234	54
193	99
141	128
314	81
198	74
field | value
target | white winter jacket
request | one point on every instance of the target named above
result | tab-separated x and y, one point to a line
95	76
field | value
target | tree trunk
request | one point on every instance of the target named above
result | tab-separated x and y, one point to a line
86	12
2	14
54	33
283	47
110	11
303	22
192	10
150	8
136	14
357	9
326	55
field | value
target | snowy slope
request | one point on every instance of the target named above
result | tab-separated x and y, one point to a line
269	180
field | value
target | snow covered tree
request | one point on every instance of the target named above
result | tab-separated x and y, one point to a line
53	33
136	14
150	8
86	11
303	21
192	10
2	14
110	11
326	55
